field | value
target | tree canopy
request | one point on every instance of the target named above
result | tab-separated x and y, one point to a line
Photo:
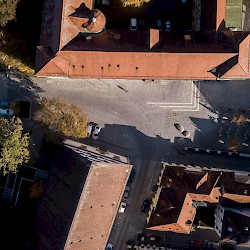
63	118
134	3
14	145
7	11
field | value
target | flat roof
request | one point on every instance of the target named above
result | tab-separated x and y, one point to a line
98	206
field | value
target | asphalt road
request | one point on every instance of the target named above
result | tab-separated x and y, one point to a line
138	120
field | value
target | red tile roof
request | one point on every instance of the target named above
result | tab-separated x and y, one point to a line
98	206
98	62
68	29
221	13
176	216
172	206
244	54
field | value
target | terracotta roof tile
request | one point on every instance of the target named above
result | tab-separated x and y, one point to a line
101	61
172	206
153	37
68	29
98	206
177	219
97	64
51	69
221	13
244	54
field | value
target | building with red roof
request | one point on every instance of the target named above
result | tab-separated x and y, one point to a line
74	43
181	189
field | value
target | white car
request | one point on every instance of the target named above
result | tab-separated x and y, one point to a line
109	246
6	112
133	24
126	192
168	26
96	132
89	129
122	207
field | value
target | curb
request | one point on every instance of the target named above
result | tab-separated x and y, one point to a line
218	152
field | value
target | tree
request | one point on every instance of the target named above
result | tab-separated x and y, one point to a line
239	119
14	145
134	3
7	11
63	118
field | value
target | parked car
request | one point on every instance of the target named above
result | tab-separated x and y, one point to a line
126	192
96	132
109	246
89	129
158	23
6	112
151	23
133	24
196	244
168	26
4	104
131	176
122	207
145	206
141	23
106	2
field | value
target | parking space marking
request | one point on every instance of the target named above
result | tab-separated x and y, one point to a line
176	103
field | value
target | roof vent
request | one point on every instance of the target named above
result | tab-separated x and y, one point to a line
213	70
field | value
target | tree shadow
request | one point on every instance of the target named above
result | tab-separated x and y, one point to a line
22	35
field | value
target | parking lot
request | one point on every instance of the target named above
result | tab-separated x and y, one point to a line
151	15
128	225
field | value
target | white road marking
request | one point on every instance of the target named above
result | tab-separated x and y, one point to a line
175	103
191	106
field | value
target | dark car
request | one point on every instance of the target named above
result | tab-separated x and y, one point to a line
131	176
145	206
196	244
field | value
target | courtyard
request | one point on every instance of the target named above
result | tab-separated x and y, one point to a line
179	14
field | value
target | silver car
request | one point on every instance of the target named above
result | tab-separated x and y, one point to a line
126	192
89	129
168	26
96	132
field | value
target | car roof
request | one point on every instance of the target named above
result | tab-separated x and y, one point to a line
133	21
